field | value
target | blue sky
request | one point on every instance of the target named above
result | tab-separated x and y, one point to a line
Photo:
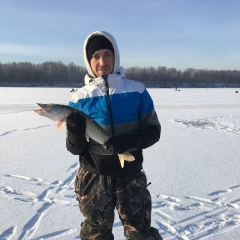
202	34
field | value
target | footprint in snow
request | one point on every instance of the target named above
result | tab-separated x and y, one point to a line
7	234
25	178
219	192
6	133
171	199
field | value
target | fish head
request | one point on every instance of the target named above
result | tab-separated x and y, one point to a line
55	112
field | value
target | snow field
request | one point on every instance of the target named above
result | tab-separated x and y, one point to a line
194	169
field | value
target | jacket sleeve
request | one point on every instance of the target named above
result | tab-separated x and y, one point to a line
149	136
150	130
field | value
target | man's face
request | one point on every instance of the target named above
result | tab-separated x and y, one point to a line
102	62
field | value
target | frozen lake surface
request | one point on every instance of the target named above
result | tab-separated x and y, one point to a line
194	169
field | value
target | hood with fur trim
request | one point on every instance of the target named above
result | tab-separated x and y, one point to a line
115	47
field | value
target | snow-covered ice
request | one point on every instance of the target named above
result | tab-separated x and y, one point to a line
194	169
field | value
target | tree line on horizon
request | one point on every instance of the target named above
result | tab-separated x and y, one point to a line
58	74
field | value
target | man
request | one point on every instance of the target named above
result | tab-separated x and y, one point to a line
124	108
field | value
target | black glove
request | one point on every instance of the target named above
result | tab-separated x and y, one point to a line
123	143
76	125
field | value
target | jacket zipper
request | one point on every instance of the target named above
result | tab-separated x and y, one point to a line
110	113
109	103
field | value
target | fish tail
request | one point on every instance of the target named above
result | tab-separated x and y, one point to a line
125	157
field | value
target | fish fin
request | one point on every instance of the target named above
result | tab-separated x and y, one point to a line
87	136
125	157
60	125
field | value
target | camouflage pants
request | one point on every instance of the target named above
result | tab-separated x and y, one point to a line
98	196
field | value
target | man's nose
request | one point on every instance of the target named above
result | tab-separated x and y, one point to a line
102	60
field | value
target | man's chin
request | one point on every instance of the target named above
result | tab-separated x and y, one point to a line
103	72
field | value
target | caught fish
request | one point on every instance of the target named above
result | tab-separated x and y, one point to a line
60	113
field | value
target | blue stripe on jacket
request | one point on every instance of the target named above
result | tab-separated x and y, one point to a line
126	107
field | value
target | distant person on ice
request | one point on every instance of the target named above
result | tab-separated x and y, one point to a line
124	108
